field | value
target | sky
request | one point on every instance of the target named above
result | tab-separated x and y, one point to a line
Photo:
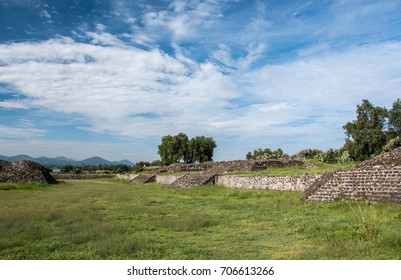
80	78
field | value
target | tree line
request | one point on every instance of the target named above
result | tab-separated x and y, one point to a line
179	148
106	169
375	130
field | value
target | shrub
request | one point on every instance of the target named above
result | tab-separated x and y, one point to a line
392	144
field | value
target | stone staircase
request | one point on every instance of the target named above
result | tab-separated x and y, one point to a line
143	178
191	180
201	178
375	184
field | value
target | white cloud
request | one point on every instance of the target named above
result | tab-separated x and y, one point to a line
8	132
322	90
126	91
103	38
115	85
13	104
184	20
45	14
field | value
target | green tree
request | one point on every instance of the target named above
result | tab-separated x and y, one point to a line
181	146
67	168
166	150
173	148
201	149
366	135
121	168
249	156
177	148
394	120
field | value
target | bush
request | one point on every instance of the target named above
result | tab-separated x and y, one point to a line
334	156
345	157
309	153
266	153
392	144
137	168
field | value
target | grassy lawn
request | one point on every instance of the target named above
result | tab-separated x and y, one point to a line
110	219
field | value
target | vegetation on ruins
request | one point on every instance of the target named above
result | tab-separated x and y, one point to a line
265	153
178	148
309	153
376	129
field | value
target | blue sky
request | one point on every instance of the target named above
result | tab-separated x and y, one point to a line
111	77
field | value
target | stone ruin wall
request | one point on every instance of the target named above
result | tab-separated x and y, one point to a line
377	184
161	179
248	165
281	183
128	177
167	180
211	171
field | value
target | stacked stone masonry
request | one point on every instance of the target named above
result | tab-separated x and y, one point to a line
392	158
377	184
192	180
167	180
282	183
25	171
160	179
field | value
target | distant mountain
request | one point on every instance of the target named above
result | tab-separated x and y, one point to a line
60	161
17	158
95	161
124	161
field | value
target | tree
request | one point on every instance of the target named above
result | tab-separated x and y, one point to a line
173	148
67	168
201	149
121	168
177	148
249	156
166	150
366	135
181	145
394	121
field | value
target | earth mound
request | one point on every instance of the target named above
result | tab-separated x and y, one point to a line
25	171
392	158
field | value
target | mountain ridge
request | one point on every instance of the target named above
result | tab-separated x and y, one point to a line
62	160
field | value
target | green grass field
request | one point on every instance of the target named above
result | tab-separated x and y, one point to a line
111	219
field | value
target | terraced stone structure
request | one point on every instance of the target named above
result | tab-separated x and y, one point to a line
210	170
377	180
25	171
